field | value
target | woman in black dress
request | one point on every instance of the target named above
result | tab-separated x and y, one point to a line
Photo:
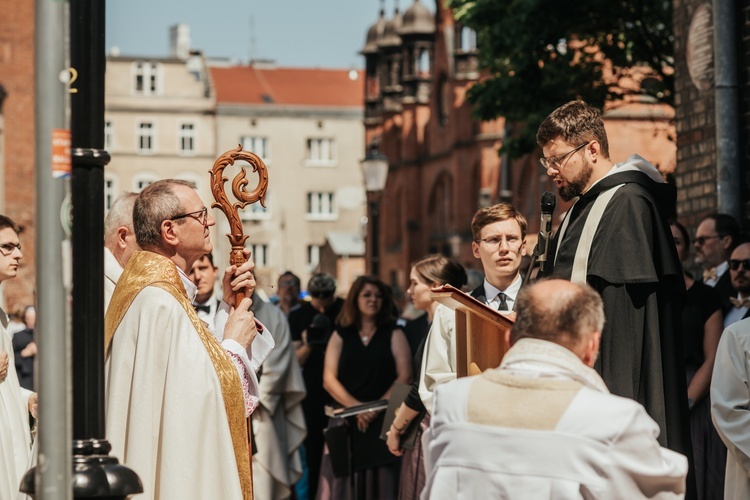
430	272
364	357
702	324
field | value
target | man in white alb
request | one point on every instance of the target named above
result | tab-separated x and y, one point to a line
178	399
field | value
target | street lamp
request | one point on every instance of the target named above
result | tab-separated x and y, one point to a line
375	171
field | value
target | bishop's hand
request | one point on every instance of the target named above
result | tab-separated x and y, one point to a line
238	279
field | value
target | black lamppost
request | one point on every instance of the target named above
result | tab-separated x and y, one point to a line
375	172
96	474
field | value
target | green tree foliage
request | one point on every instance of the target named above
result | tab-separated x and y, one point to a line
539	54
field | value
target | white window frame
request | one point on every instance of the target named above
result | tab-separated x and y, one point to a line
320	152
189	135
140	135
151	78
259	145
109	135
143	179
321	206
260	254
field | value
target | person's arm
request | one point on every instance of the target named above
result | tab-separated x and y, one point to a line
331	372
701	382
730	399
302	349
640	467
439	358
402	356
404	416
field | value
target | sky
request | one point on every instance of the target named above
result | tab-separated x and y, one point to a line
297	33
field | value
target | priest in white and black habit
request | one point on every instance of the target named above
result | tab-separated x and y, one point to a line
616	238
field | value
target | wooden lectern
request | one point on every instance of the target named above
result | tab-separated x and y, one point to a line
480	331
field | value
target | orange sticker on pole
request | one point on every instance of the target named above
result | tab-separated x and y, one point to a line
61	163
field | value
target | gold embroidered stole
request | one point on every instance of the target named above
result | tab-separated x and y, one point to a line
151	269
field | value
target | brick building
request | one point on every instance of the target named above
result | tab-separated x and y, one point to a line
444	164
695	103
17	166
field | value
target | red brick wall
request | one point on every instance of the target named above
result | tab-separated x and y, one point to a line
696	133
17	77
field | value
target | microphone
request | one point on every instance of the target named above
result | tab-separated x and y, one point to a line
545	230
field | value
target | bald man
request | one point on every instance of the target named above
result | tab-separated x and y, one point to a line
564	435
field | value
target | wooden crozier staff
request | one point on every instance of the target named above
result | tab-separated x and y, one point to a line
236	236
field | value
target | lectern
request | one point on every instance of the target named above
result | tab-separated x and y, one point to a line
480	331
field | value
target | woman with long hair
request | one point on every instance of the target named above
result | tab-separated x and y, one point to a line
427	273
365	356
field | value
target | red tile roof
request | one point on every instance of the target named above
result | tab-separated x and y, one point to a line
288	86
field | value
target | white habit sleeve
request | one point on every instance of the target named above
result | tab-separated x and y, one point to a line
439	361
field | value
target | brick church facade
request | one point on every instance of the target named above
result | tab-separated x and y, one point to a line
445	164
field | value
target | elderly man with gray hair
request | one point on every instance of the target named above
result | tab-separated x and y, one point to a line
543	424
119	241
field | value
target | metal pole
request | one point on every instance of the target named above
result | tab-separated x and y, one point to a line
728	167
97	475
52	328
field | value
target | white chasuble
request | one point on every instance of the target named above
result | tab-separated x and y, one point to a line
175	408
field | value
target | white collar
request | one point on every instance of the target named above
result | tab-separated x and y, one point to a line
721	269
190	287
491	291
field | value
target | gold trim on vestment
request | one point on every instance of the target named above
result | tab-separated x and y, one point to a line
151	269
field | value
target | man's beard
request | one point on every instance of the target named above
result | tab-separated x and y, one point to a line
575	187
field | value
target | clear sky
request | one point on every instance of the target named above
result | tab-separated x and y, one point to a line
305	33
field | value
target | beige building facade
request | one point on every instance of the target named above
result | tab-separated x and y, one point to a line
172	117
312	152
159	123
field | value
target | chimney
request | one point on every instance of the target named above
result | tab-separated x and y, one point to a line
179	41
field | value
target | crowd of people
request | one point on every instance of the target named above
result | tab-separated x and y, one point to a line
626	374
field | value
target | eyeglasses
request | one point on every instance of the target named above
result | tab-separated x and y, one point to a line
321	295
556	161
734	264
199	215
701	240
7	248
494	242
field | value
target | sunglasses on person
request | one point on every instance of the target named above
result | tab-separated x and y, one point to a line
321	295
734	264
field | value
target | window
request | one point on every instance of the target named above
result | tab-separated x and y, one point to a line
423	62
187	138
256	211
146	78
468	39
320	152
321	206
140	181
146	137
259	254
109	137
110	191
313	256
258	145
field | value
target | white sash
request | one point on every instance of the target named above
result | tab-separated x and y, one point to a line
581	259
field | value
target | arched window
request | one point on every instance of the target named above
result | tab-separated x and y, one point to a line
441	208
